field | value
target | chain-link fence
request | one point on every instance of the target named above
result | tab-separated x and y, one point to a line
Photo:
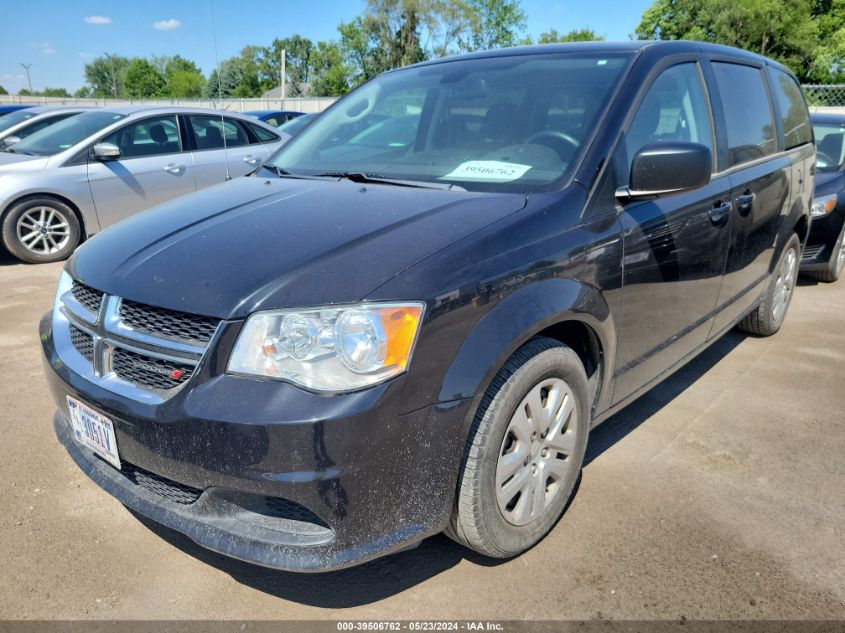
825	97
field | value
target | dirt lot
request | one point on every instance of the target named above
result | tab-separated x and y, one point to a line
720	494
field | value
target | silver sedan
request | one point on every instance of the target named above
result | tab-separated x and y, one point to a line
91	170
19	124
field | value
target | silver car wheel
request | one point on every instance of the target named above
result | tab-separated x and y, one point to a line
43	230
534	457
784	284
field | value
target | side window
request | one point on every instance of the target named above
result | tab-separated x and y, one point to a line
209	131
674	109
264	136
150	137
748	114
792	107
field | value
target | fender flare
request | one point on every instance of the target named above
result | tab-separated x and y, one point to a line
517	318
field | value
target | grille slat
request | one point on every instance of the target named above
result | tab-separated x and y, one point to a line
82	342
87	296
169	323
149	371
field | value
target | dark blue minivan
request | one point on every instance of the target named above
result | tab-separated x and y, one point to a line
410	317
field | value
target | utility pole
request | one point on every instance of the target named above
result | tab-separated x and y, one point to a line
282	82
26	67
113	75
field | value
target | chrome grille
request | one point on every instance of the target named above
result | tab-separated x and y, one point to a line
87	296
82	342
142	352
164	322
149	371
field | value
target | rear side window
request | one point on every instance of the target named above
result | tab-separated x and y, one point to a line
748	113
209	131
265	136
793	109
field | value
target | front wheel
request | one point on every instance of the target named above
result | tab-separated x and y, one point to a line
40	230
836	262
524	453
769	315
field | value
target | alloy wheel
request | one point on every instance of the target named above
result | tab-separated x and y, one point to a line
534	457
43	230
784	284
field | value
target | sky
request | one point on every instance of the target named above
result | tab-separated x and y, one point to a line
57	37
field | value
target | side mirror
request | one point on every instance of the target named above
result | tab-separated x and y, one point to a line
106	151
9	141
662	169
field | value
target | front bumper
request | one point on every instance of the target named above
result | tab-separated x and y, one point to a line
271	474
824	232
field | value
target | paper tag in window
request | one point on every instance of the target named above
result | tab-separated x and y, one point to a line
487	171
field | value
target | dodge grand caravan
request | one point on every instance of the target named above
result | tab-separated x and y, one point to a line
378	337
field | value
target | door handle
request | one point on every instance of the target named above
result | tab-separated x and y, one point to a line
745	201
173	168
250	160
720	213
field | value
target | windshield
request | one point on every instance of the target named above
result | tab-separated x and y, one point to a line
65	134
295	126
830	145
13	118
512	123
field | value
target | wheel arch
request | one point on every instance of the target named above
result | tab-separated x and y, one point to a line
574	313
83	229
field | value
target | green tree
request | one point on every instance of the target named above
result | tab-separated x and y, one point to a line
329	70
182	78
143	80
238	77
395	26
3	91
829	58
298	51
105	75
785	30
82	92
55	92
576	35
362	49
494	24
23	92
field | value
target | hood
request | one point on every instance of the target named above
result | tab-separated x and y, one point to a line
257	244
828	182
10	161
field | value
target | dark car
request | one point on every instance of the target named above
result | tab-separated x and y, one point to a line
348	352
274	117
824	254
5	109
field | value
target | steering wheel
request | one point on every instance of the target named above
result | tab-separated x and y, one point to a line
562	143
823	160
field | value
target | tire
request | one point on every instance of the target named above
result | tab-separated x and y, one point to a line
499	437
769	315
835	264
40	230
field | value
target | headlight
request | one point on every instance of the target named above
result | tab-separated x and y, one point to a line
329	349
823	206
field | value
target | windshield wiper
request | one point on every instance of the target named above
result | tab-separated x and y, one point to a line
357	176
281	172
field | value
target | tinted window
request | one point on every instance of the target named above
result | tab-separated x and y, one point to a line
150	137
40	124
793	109
748	114
674	109
13	118
67	133
511	123
209	131
830	145
263	135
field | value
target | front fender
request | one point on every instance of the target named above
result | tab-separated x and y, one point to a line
517	318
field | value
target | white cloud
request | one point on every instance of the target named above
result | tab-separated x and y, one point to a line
10	76
44	48
167	25
86	55
98	19
48	51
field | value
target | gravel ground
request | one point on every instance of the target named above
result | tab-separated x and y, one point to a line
718	495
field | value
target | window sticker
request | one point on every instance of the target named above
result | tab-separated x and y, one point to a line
487	171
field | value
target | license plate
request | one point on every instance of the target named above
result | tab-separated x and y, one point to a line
93	430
